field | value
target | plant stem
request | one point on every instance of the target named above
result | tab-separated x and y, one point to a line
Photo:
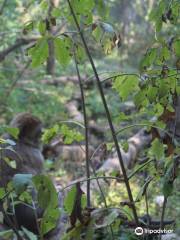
86	132
102	195
108	116
92	178
162	216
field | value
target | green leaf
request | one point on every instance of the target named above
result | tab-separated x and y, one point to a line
29	234
7	234
125	145
50	133
104	218
82	6
158	25
88	18
14	132
74	233
47	195
102	9
175	10
62	51
158	108
156	14
10	162
70	199
97	33
44	5
49	220
167	188
47	200
165	54
28	27
168	181
39	52
149	58
21	182
2	193
122	117
176	47
163	89
70	135
80	53
42	27
126	85
83	201
157	149
8	141
140	99
56	12
152	94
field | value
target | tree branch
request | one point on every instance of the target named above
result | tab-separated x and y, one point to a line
19	42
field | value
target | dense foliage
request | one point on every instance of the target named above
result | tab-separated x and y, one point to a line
134	46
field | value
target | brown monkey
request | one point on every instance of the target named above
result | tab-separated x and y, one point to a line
26	152
27	155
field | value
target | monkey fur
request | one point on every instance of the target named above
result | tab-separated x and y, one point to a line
29	160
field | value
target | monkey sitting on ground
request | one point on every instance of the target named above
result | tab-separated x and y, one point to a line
29	160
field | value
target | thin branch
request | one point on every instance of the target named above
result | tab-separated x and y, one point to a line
144	125
9	91
86	132
92	178
17	44
120	75
99	186
162	216
102	194
108	115
36	216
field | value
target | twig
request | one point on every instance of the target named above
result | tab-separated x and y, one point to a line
102	195
86	132
144	125
17	44
162	216
99	186
119	75
147	210
16	80
36	216
92	178
108	115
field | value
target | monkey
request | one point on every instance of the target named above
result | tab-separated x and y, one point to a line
26	151
29	160
27	154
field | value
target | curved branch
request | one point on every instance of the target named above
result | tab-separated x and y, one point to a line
19	42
